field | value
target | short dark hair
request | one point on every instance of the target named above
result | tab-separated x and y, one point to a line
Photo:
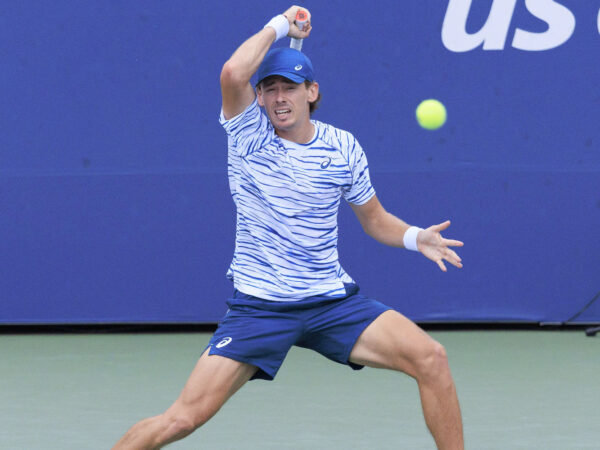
312	105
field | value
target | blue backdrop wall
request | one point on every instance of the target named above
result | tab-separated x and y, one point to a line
114	203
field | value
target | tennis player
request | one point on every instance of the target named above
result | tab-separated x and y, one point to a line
287	174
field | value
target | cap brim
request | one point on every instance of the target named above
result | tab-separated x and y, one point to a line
295	78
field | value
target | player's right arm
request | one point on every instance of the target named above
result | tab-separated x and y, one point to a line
236	89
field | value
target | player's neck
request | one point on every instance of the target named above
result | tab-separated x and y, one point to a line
301	135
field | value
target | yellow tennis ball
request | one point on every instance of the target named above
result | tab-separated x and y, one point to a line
431	114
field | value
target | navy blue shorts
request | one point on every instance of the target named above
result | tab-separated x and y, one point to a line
261	332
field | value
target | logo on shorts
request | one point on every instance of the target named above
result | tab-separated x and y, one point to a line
223	342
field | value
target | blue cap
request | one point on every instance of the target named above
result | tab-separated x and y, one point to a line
287	62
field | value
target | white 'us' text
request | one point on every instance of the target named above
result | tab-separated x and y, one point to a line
493	34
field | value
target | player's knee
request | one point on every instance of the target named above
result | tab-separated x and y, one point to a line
184	422
433	363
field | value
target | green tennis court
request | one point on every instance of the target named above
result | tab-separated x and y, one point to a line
518	390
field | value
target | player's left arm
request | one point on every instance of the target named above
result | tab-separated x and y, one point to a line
389	230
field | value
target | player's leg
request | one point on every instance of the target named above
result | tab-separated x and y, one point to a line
214	379
394	342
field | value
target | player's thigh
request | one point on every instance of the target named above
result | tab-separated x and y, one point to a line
393	341
212	382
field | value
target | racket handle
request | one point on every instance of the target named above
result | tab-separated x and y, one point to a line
296	43
301	19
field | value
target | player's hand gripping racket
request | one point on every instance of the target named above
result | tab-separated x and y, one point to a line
300	21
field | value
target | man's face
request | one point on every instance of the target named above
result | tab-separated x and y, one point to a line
286	103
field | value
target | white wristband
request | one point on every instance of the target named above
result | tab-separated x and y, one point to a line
410	238
281	26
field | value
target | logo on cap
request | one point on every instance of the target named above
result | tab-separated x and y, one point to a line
298	67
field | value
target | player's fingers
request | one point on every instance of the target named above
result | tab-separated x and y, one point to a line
442	266
441	227
453	258
453	243
451	255
455	263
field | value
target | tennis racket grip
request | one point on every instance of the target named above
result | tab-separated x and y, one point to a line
300	21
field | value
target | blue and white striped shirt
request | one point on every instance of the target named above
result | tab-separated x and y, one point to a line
287	197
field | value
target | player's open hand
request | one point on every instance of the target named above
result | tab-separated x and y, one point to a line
295	31
431	243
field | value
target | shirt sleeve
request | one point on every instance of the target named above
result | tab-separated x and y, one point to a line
248	131
361	190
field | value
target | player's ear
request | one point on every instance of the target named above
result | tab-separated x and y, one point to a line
313	91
